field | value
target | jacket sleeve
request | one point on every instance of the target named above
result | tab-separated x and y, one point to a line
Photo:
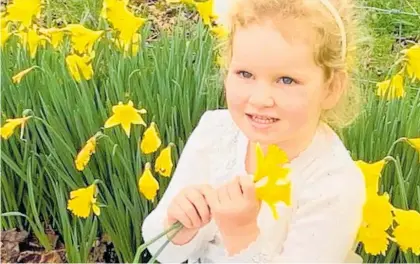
192	168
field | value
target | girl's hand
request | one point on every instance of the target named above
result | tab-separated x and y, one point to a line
234	207
191	209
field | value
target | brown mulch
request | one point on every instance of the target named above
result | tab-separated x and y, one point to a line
18	246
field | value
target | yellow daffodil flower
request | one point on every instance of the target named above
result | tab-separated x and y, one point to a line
412	56
277	186
189	2
82	38
377	218
374	240
111	7
122	20
80	67
407	233
125	115
83	157
82	201
132	26
18	77
151	141
415	143
269	163
220	61
55	35
372	173
164	164
24	11
273	193
377	211
6	131
206	11
3	19
4	36
129	49
392	88
32	40
220	32
148	185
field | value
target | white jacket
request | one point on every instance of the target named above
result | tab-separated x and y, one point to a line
328	193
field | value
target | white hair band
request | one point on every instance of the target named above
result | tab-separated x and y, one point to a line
340	24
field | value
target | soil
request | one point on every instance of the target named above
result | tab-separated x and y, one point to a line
19	246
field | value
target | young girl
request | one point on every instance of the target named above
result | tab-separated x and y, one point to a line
287	83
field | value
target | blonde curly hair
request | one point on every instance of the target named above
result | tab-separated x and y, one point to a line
338	35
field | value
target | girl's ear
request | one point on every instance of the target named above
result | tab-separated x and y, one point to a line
334	90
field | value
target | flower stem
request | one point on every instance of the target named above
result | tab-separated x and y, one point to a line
176	226
400	179
152	260
394	144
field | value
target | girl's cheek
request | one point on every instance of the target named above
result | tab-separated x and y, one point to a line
236	95
295	109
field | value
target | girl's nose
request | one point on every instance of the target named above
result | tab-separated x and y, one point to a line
261	96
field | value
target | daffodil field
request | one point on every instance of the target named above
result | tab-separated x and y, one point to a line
96	111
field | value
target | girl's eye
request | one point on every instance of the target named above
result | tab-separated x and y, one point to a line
245	74
286	80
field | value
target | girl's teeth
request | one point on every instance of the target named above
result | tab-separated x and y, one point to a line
263	120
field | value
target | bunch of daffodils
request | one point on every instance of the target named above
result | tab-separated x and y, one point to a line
394	86
382	222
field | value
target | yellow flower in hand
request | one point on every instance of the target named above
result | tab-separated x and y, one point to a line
372	173
415	143
18	77
125	115
82	38
23	11
151	141
163	163
413	61
392	88
407	233
148	185
272	193
83	157
6	131
55	35
277	186
272	161
80	67
82	201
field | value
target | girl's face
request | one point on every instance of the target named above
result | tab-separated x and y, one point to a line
275	91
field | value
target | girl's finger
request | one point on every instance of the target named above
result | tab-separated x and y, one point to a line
248	187
212	198
188	208
175	212
234	189
223	195
199	202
